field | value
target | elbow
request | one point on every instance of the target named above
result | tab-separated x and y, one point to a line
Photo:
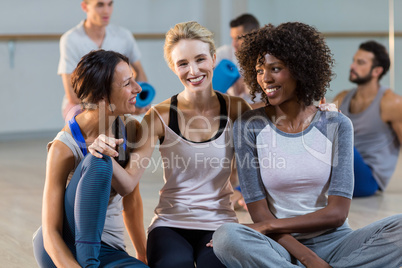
338	219
126	191
126	188
129	186
339	222
123	194
337	211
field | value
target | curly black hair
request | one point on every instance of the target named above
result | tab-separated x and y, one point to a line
301	48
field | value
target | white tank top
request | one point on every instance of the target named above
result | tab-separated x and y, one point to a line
197	189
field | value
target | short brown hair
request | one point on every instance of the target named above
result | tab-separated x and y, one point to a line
248	21
93	77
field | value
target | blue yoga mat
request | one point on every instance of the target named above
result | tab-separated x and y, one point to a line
225	75
146	96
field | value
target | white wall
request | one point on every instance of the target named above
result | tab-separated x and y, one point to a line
31	92
338	16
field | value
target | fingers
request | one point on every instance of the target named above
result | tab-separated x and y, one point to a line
330	107
324	106
104	145
110	141
93	151
210	244
97	148
119	141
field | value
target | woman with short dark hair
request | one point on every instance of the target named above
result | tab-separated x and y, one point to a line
82	222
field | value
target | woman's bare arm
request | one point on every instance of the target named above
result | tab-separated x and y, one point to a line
60	162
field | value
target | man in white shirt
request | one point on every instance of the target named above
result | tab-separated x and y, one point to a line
94	33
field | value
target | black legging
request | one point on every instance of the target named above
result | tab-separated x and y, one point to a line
174	247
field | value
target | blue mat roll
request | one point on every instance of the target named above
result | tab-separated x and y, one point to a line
225	75
146	96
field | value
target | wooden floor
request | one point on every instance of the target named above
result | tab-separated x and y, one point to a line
22	173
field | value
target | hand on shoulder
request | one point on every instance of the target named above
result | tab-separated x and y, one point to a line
329	107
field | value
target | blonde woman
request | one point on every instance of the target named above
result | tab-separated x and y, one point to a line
194	129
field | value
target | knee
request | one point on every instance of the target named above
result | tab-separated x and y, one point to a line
391	229
91	160
226	238
395	231
101	167
396	224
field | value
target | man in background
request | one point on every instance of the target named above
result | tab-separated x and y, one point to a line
94	33
376	113
239	26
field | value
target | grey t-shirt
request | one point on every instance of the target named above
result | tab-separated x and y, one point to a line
295	172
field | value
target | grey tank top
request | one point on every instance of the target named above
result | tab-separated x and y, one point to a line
113	231
373	138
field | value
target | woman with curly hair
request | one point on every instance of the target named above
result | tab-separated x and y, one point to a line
295	165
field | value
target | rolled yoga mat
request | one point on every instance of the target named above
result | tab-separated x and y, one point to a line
225	75
146	96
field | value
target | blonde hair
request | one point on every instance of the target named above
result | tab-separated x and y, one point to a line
186	30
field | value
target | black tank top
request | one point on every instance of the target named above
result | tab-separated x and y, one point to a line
174	122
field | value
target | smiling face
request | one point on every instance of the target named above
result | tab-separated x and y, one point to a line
193	64
276	80
124	89
98	11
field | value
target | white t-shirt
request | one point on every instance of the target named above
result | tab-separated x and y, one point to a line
75	43
226	52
